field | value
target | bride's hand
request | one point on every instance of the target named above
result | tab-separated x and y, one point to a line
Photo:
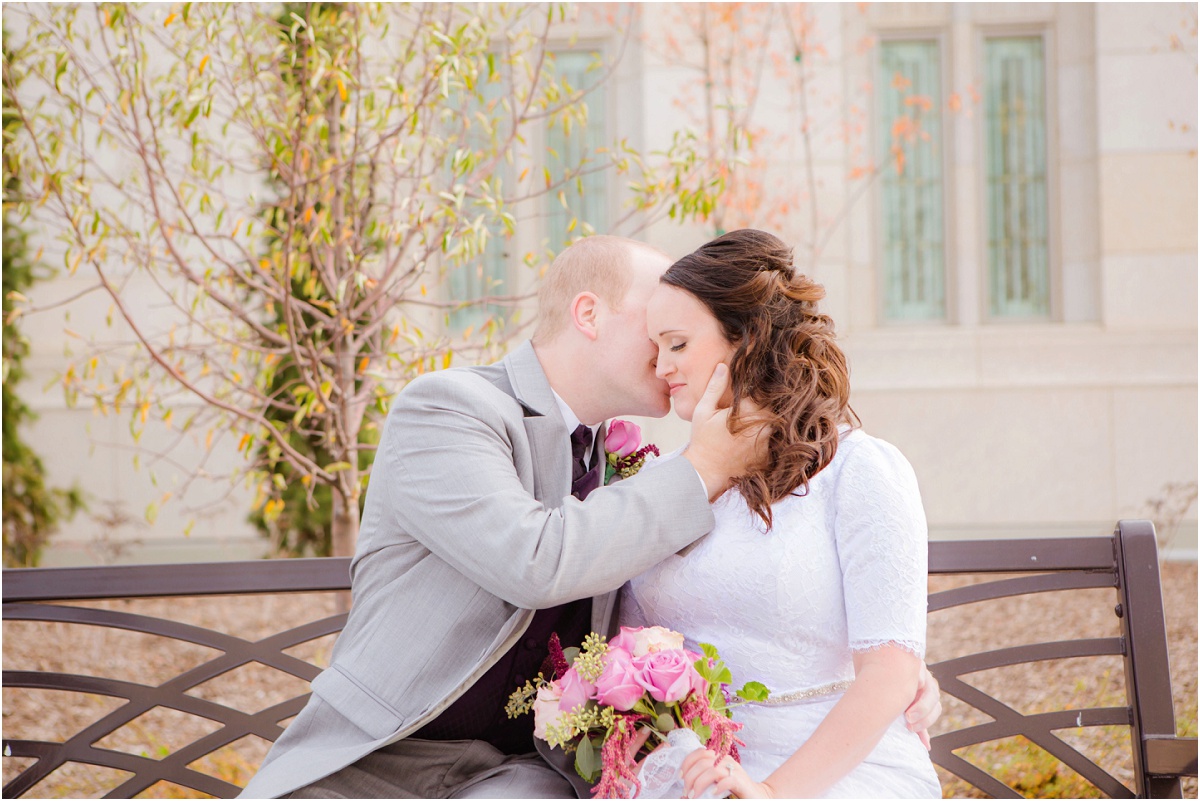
702	771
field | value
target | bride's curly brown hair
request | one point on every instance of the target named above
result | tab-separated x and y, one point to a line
785	357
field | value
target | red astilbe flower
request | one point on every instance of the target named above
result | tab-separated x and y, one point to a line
724	740
648	449
557	658
616	771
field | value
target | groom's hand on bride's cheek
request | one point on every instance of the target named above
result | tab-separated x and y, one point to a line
926	708
717	454
754	425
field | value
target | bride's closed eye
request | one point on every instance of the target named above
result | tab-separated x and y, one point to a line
677	348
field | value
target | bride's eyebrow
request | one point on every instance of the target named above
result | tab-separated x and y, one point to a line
670	331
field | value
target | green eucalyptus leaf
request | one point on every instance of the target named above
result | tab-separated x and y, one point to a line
587	762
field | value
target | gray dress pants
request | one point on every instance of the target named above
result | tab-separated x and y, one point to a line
414	768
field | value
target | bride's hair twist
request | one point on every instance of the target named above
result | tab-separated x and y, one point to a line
786	358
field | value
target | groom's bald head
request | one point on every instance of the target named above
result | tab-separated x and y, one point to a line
602	265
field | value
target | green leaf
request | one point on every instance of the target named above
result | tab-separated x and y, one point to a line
587	763
754	691
709	650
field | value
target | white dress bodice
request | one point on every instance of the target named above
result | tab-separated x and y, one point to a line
842	570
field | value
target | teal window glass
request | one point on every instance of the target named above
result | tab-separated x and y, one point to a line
488	273
1017	219
914	268
586	196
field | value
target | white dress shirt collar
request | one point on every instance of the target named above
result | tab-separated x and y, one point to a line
572	420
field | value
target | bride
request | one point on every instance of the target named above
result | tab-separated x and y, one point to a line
813	580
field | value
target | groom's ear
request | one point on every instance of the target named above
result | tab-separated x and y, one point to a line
585	313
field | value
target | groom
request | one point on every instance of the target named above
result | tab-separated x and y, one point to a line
475	517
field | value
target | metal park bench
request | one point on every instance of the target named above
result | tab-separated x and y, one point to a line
1126	563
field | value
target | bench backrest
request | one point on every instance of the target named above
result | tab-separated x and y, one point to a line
1126	562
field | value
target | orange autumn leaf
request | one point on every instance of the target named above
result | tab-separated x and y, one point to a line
955	102
919	100
900	82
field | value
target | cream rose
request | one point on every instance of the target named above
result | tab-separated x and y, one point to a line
545	708
648	640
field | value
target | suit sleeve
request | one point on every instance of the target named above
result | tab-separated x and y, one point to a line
448	473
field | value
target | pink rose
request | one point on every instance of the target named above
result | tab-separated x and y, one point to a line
642	641
667	675
546	710
575	691
618	686
623	438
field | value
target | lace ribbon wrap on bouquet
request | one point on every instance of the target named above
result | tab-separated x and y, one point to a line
660	772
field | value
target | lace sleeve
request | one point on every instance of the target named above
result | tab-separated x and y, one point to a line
882	541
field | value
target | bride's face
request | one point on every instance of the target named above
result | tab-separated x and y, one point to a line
690	346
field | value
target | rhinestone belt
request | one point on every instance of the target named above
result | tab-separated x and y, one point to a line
804	695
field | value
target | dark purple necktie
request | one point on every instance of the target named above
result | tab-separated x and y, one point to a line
583	480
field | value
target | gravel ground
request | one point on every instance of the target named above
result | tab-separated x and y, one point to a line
118	654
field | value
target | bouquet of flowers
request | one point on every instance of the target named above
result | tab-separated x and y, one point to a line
601	694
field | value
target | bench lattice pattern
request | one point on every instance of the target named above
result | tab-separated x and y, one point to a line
1125	562
235	652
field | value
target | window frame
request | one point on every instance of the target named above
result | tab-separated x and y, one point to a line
602	45
950	286
1044	30
532	220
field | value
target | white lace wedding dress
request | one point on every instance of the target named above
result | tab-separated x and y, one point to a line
843	570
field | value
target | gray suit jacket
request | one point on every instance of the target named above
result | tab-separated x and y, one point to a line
468	527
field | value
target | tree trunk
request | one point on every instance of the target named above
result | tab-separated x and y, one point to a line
345	525
345	537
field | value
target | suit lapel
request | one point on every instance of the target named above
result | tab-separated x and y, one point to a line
547	432
550	443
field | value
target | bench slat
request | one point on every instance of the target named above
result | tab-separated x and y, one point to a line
1020	585
261	576
1018	556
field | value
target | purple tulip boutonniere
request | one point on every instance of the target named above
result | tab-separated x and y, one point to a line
625	454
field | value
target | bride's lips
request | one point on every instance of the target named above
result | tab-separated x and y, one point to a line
676	387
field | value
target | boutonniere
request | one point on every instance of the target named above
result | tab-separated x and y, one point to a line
624	452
